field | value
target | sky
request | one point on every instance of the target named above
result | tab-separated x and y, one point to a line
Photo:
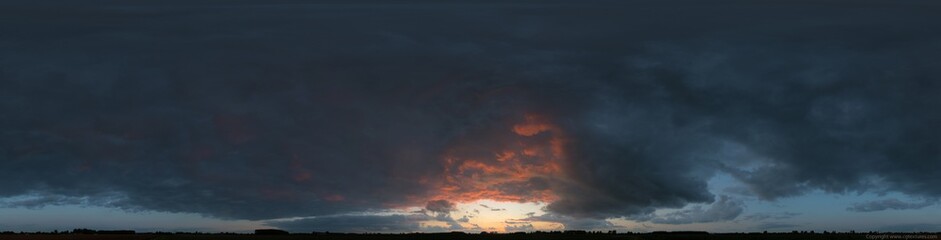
460	115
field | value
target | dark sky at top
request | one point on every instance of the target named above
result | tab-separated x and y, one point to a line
274	109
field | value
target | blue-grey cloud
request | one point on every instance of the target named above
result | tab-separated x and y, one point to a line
440	206
777	226
889	204
755	217
354	224
724	209
571	223
250	110
521	227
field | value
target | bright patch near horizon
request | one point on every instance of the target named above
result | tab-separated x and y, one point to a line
490	215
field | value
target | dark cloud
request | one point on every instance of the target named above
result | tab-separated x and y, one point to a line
355	224
522	227
259	111
440	206
441	211
889	204
571	223
724	209
757	217
35	201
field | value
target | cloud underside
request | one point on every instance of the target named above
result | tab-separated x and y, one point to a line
358	224
243	114
890	204
724	209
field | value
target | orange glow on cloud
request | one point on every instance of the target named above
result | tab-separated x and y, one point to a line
532	126
520	168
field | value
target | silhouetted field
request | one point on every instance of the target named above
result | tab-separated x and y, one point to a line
462	236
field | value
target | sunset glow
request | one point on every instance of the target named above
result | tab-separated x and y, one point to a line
514	176
521	169
466	115
490	215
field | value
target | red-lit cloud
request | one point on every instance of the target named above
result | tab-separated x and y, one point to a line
518	164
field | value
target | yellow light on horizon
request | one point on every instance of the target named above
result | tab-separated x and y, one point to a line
492	215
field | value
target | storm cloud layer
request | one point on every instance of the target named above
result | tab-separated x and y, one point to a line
264	110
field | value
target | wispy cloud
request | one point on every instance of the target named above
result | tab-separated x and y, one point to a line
889	204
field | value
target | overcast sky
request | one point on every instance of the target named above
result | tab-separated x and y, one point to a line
402	116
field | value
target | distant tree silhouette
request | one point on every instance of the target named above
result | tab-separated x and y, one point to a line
83	231
270	232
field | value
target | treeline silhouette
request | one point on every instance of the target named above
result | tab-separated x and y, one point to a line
75	231
536	235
